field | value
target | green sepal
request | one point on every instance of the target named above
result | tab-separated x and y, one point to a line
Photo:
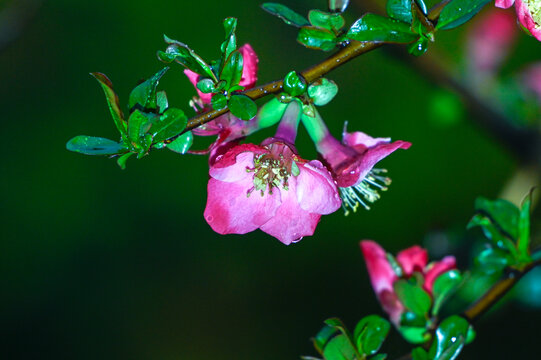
316	38
289	16
182	54
242	107
323	337
330	21
90	145
218	101
457	12
338	5
270	113
112	102
294	84
121	161
523	242
470	337
143	97
370	333
322	91
413	297
232	70
181	144
372	27
450	338
444	286
395	265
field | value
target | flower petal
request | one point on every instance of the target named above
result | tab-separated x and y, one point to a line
381	273
362	140
373	155
504	4
436	269
232	166
291	223
230	211
412	259
525	17
316	190
194	78
249	70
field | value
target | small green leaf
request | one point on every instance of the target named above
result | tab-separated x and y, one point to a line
339	348
322	91
457	12
413	297
218	101
400	10
492	260
338	5
144	95
242	107
504	214
294	84
471	335
419	47
232	71
289	16
419	354
323	337
494	233
397	269
90	145
450	338
121	161
414	334
206	86
182	144
169	124
112	102
373	27
321	19
317	38
137	127
161	101
523	243
185	56
444	286
230	43
370	333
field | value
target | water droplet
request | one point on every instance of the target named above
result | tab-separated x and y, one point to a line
210	218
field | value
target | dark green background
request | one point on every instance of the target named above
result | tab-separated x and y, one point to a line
99	263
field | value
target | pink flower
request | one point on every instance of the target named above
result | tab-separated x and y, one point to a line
490	40
352	165
249	73
411	260
269	187
528	13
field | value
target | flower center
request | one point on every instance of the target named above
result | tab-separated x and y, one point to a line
272	170
534	7
366	191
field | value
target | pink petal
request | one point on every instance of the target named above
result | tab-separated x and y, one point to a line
525	17
374	155
504	4
290	223
391	305
234	172
436	269
194	78
381	273
412	259
249	70
316	190
361	140
230	157
230	211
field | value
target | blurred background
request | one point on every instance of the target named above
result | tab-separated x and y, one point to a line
97	262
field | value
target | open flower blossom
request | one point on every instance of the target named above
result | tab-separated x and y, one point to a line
352	162
411	260
269	187
528	13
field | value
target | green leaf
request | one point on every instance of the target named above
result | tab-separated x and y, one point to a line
230	43
339	348
373	27
182	144
90	145
161	101
121	161
444	286
494	233
413	297
322	91
450	338
289	16
137	126
218	101
419	47
169	124
523	243
321	19
492	260
338	5
419	354
457	12
181	53
206	86
242	107
144	95
294	84
400	10
504	213
317	38
112	102
370	333
414	334
232	71
323	337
